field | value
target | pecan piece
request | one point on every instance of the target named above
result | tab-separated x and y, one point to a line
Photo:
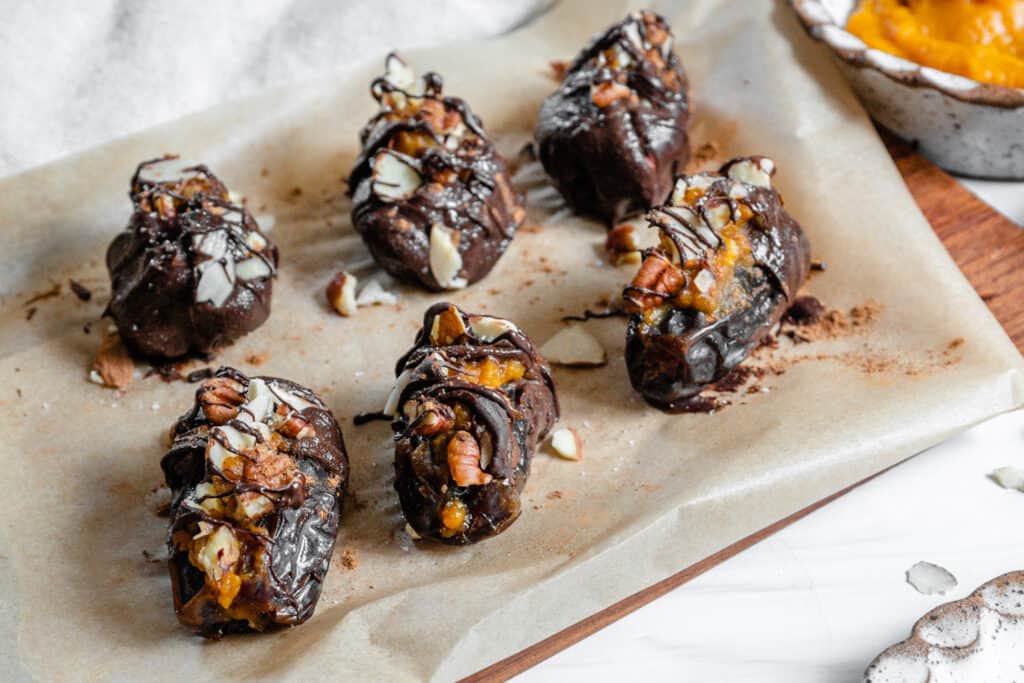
657	280
605	93
294	425
464	460
220	398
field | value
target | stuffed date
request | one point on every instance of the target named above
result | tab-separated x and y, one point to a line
614	132
730	261
192	271
471	401
431	195
258	471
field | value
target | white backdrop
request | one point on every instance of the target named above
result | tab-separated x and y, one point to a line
74	73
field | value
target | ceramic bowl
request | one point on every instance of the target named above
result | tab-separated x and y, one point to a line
979	638
962	125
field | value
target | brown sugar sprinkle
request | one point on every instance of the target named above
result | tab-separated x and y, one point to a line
257	359
349	559
558	69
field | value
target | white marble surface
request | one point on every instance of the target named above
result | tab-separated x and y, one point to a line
817	601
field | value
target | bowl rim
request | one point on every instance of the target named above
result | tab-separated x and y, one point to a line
818	22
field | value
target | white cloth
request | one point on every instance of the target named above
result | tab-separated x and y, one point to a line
76	74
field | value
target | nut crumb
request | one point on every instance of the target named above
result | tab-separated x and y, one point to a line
257	359
349	559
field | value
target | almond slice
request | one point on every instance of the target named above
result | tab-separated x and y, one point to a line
113	365
445	259
566	443
574	346
374	294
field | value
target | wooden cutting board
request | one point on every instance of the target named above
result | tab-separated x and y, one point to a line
988	247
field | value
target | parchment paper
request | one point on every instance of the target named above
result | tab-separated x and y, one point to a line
654	493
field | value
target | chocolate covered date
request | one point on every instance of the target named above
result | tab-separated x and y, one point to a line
471	401
431	195
614	133
258	471
730	261
192	271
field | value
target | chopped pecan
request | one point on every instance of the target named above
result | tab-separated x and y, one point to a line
220	398
464	460
605	93
658	279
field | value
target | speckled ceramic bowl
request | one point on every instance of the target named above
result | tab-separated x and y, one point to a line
979	638
962	125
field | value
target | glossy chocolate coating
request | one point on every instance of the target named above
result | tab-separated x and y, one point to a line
513	417
287	550
672	362
157	263
617	160
464	186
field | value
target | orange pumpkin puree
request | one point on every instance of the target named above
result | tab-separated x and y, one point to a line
979	39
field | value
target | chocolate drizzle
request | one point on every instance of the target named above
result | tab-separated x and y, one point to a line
192	271
457	180
614	133
279	499
507	417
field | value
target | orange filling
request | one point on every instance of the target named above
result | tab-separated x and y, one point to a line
490	372
453	517
734	250
979	39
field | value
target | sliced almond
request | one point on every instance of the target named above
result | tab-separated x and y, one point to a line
113	365
566	443
930	579
755	171
341	293
574	346
488	329
445	259
393	178
398	73
374	294
1009	478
